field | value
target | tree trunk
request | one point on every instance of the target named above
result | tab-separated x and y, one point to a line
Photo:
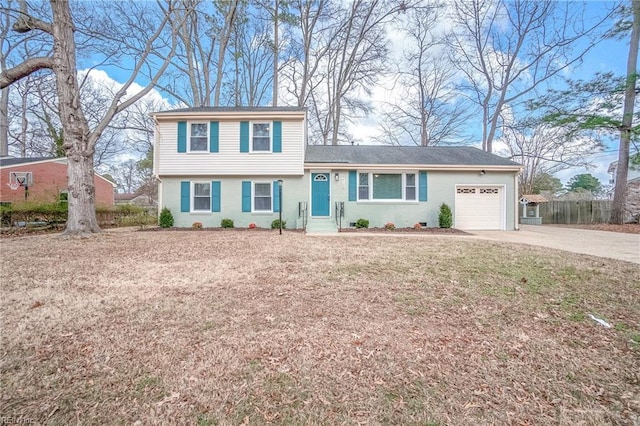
82	203
620	193
4	122
275	54
77	142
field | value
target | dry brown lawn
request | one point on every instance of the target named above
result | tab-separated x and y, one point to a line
255	328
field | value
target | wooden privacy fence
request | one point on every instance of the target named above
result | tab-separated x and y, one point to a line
567	212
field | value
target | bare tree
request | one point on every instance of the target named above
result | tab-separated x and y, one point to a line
204	30
620	191
425	109
79	139
308	45
508	49
545	149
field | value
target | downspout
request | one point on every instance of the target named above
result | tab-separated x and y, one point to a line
156	154
516	212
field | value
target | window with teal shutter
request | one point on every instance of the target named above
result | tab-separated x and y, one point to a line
276	197
353	185
246	196
185	197
182	136
244	136
215	196
277	136
214	130
422	186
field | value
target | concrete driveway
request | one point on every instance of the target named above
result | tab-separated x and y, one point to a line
613	245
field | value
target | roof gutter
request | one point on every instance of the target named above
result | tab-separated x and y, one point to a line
444	167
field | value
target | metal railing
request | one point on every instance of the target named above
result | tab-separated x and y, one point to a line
302	213
339	213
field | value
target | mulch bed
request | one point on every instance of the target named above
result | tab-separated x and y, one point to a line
423	230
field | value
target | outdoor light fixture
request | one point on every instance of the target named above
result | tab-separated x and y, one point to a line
280	204
337	176
482	173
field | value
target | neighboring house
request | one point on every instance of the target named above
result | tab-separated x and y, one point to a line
215	163
139	199
46	179
632	206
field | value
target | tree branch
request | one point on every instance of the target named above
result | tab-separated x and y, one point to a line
29	66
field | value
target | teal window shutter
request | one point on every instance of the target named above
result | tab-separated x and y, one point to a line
277	136
246	196
215	196
276	197
182	136
422	183
244	137
185	196
353	185
214	130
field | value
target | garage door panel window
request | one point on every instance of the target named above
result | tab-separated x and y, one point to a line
387	186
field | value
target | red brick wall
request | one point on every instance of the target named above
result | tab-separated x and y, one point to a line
49	179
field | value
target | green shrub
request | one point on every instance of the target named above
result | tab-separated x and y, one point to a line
362	223
276	224
226	223
445	219
389	226
166	218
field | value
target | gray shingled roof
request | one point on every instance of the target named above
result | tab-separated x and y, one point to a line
382	154
12	161
232	109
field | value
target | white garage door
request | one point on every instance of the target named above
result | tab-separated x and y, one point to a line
479	207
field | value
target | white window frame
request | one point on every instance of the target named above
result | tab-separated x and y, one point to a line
253	196
251	124
193	196
388	200
191	123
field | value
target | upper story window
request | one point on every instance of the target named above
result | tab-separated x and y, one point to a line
387	186
198	137
261	137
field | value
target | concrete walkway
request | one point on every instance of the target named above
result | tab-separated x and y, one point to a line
613	245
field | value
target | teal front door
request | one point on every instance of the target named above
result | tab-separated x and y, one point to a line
319	194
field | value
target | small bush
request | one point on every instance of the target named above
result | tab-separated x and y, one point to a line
389	226
445	219
276	224
252	226
362	223
417	227
196	225
226	223
166	218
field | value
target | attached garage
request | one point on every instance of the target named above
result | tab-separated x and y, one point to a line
480	207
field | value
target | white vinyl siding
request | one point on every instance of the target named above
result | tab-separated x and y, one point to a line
229	160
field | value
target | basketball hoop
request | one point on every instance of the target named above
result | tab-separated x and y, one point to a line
13	185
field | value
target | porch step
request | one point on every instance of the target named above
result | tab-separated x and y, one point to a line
321	226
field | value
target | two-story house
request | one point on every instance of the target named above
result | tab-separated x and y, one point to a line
215	163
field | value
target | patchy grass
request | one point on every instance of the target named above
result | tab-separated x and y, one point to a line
254	328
